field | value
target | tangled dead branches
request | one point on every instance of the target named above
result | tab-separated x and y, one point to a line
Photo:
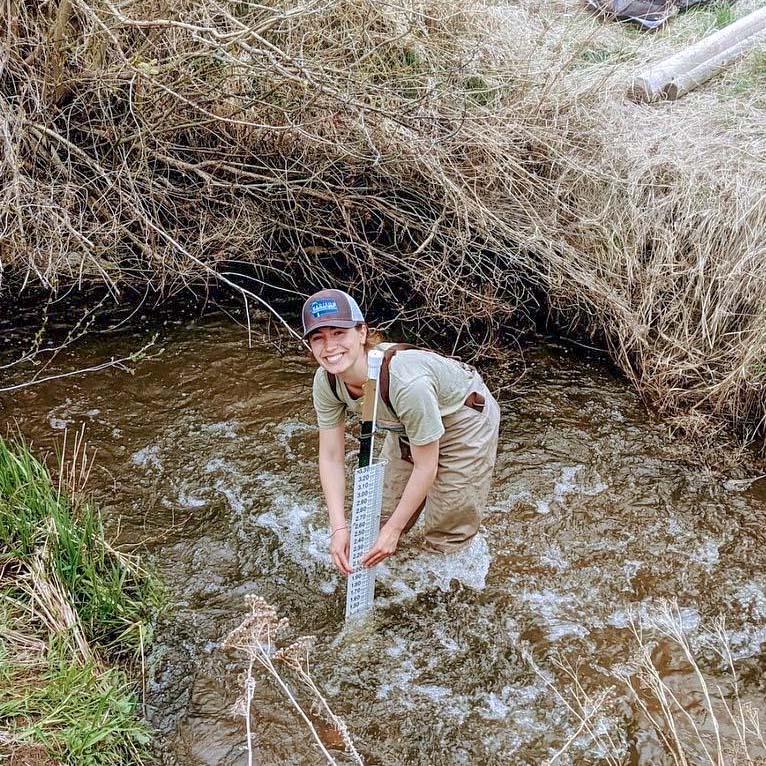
465	163
150	143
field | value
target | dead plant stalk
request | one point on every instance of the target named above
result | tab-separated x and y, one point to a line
256	637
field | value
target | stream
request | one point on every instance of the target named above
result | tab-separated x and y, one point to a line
599	518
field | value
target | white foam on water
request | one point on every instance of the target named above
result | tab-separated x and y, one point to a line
554	558
675	528
303	535
216	464
402	591
328	587
562	629
402	681
187	499
529	721
289	428
318	546
232	482
415	571
445	640
693	546
147	457
526	695
621	618
58	420
233	495
751	597
554	607
295	525
567	485
226	429
509	503
653	614
511	628
597	741
706	554
511	698
398	649
433	692
469	566
495	709
749	640
455	707
617	416
630	570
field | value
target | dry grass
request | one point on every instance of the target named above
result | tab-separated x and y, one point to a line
687	701
468	163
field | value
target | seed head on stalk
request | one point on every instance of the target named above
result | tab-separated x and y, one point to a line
256	636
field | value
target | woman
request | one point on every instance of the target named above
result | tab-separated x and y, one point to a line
441	424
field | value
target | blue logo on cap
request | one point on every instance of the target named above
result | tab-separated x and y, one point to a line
320	308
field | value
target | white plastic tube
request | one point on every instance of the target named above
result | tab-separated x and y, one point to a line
374	363
677	75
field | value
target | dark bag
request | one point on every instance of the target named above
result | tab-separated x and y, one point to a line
649	14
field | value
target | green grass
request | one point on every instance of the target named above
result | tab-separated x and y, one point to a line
81	714
73	614
108	591
713	16
751	78
478	90
605	55
723	14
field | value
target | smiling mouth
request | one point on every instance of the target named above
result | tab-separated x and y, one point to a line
334	358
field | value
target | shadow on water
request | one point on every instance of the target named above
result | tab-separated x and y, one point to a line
206	459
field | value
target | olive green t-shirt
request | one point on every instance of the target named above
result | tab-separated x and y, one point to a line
423	387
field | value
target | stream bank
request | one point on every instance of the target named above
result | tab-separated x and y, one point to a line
76	622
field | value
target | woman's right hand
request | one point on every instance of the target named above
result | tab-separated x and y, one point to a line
339	550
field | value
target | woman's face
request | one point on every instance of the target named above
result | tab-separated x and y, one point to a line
337	349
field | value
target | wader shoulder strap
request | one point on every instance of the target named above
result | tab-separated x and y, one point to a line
333	381
388	355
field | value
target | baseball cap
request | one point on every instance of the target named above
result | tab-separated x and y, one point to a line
330	308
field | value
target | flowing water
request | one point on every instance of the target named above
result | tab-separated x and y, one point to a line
206	458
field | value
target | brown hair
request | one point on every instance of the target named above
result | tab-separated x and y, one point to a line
374	337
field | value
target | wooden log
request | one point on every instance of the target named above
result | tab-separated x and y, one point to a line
677	75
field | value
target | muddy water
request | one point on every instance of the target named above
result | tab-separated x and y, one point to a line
206	457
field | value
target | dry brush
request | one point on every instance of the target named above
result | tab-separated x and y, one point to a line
468	162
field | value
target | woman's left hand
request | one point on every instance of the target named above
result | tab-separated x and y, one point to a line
385	546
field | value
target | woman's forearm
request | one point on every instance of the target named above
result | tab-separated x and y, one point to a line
425	458
417	487
425	465
332	475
